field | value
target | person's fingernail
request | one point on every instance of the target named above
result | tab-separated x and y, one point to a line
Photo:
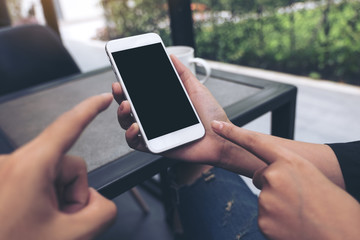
134	127
216	125
107	95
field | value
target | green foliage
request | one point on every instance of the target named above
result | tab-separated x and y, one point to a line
132	17
321	42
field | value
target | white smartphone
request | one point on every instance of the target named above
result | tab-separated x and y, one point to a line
158	99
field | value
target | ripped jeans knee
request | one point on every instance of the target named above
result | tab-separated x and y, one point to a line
218	205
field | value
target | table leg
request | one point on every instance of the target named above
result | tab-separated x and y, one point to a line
140	200
283	120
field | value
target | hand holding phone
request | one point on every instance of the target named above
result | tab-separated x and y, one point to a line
158	99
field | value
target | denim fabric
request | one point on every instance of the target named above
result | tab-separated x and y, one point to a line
219	205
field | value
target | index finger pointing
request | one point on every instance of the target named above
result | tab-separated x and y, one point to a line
256	143
61	134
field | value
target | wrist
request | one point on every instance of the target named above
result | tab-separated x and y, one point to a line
237	159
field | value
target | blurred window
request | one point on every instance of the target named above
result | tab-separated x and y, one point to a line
25	12
131	17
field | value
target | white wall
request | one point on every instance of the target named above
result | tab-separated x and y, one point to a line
76	10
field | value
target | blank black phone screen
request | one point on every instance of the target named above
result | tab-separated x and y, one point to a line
154	89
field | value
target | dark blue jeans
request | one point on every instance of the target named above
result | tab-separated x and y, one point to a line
220	206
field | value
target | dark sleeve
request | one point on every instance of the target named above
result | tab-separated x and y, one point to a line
348	155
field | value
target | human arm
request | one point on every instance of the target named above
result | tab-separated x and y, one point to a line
320	155
297	200
349	160
44	192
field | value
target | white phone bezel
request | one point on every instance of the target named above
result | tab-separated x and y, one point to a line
170	140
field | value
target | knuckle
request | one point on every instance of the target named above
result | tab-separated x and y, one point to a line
75	162
123	125
132	141
272	175
129	141
261	200
264	203
109	209
258	178
112	210
125	122
264	225
81	164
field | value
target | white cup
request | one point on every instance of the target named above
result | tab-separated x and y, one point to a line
186	55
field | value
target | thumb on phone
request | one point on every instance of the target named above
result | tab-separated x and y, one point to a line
186	76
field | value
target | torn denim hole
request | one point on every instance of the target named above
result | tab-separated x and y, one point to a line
208	176
203	205
246	230
228	206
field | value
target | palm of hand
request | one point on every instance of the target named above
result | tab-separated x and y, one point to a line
209	148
